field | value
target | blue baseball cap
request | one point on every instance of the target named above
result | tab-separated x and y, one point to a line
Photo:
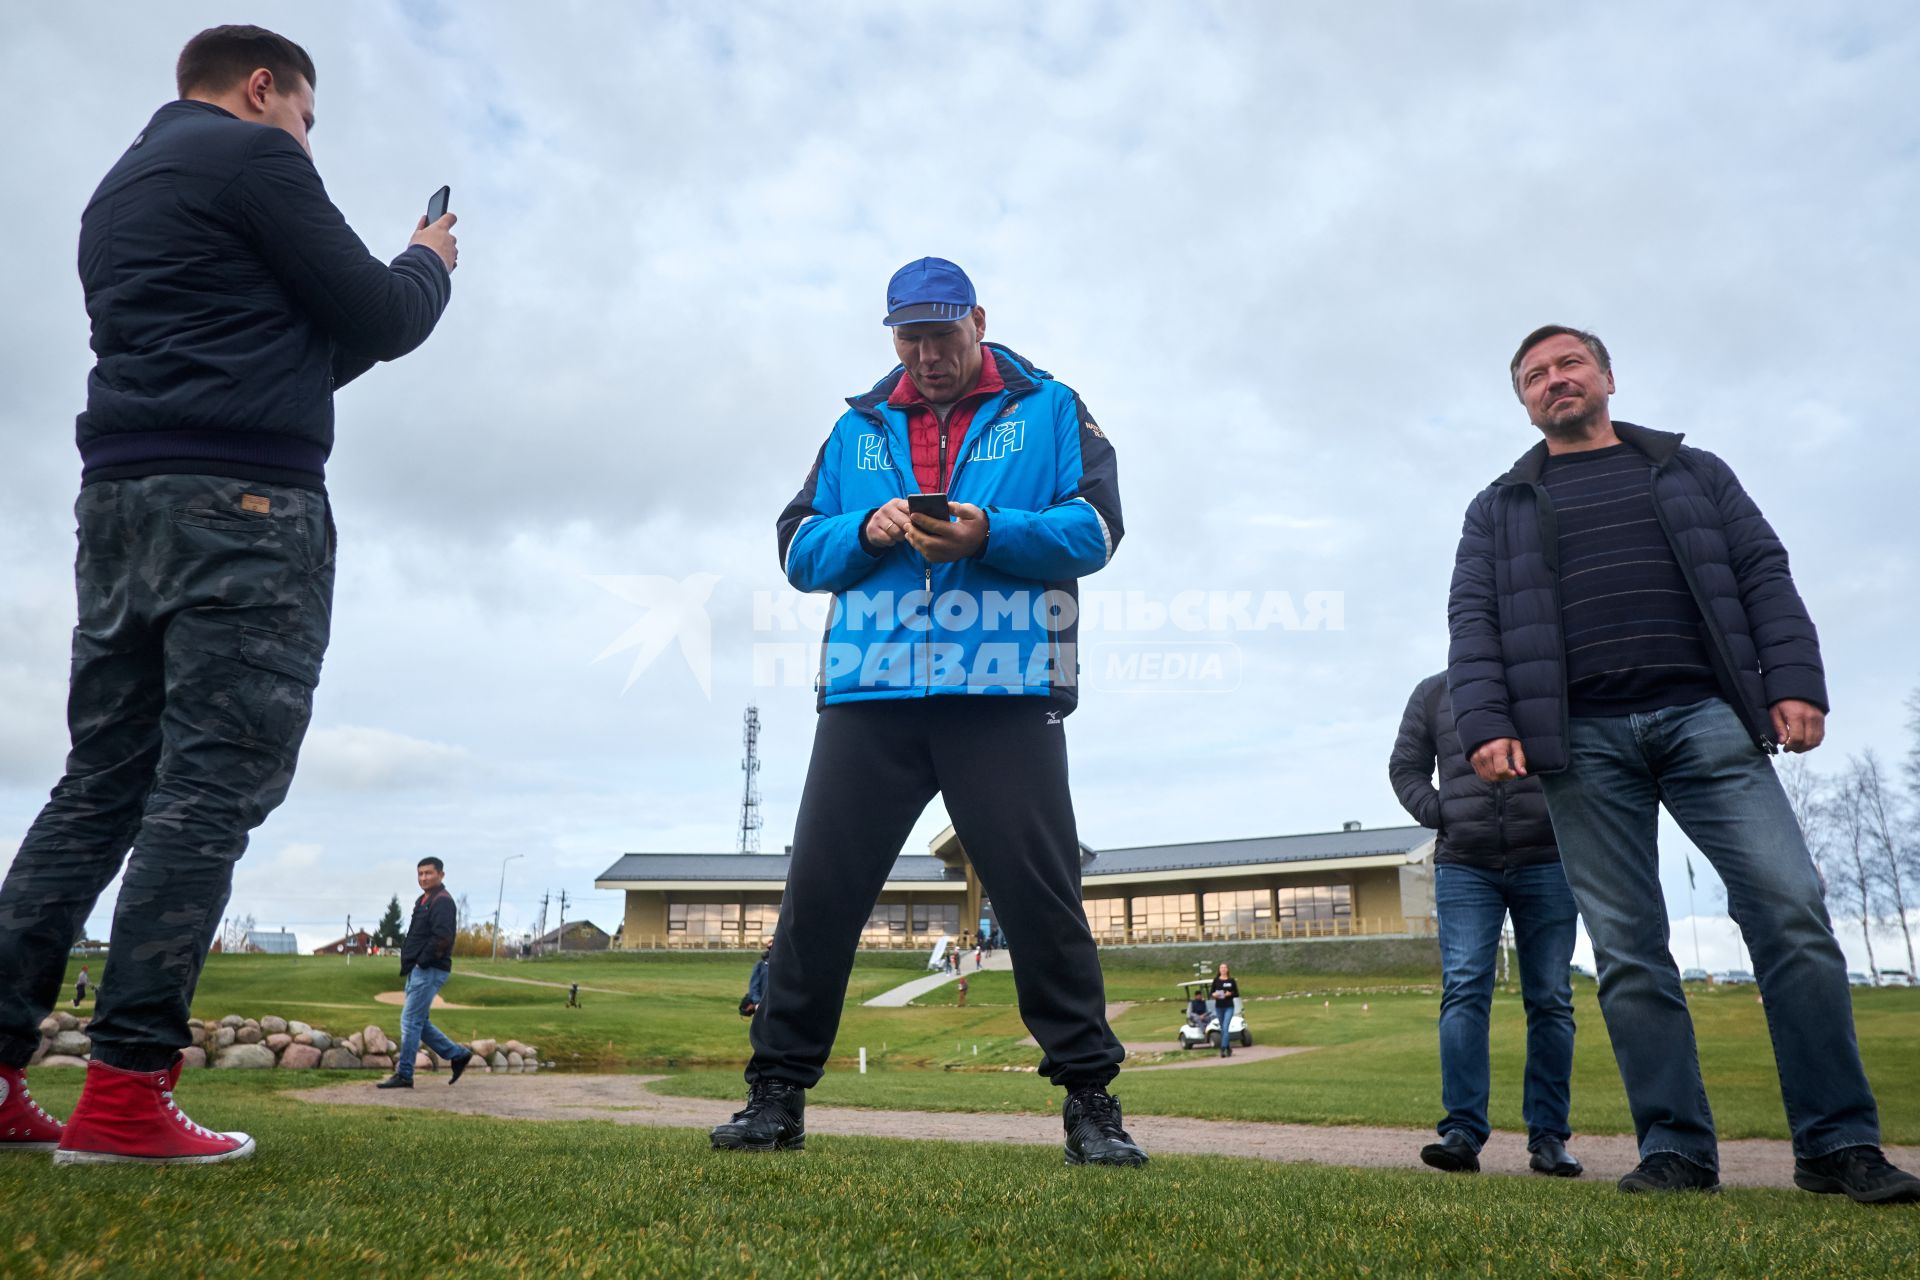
930	291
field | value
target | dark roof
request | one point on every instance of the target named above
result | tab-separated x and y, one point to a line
1316	847
553	934
754	866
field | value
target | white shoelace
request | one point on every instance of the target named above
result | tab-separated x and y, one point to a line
183	1118
26	1098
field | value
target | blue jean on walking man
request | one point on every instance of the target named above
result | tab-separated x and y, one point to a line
422	986
1702	764
1473	902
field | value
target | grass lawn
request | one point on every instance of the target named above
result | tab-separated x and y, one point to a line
364	1191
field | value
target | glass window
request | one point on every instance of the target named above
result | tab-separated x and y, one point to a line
757	920
887	923
1163	914
1312	907
1107	917
931	919
1239	911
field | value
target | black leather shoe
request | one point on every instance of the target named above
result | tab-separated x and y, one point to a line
396	1081
1860	1172
459	1065
1665	1171
1454	1153
1550	1157
1094	1132
774	1119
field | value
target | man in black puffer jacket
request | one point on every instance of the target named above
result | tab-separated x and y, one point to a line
1625	627
1495	856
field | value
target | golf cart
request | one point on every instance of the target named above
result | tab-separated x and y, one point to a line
1202	1027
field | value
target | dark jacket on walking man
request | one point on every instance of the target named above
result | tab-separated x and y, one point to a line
1625	627
229	300
1495	857
426	962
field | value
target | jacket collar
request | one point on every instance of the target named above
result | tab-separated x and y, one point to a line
1658	446
1020	375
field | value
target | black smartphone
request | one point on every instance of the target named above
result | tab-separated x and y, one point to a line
437	205
929	504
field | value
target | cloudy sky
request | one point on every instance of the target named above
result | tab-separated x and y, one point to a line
1284	252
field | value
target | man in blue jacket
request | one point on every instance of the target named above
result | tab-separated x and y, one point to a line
948	668
1625	628
229	299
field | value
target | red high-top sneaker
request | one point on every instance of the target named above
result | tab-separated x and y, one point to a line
130	1117
23	1125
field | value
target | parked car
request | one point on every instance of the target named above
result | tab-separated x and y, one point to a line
1855	978
1895	978
1694	975
1736	978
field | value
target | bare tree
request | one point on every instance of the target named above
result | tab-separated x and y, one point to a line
1851	886
1888	841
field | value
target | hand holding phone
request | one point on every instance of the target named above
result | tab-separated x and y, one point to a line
435	231
437	204
930	504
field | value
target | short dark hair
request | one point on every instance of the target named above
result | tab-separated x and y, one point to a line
220	57
1591	341
435	863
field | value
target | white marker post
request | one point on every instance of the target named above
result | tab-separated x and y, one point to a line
863	1059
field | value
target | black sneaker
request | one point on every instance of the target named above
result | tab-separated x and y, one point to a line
1094	1132
1454	1153
1665	1171
1860	1172
396	1081
774	1119
458	1065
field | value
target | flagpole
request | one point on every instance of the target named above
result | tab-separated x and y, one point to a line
1693	917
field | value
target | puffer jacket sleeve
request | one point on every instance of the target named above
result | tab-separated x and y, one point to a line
1076	533
1783	632
1476	672
1410	766
822	547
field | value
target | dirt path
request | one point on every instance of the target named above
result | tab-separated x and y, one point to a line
627	1100
400	997
538	982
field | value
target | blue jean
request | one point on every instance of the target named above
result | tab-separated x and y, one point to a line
1699	761
1473	902
422	986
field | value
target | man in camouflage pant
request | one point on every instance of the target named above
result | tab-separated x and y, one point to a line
229	299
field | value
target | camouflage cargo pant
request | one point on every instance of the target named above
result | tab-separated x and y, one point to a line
205	605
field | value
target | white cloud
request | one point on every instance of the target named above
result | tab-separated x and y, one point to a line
357	758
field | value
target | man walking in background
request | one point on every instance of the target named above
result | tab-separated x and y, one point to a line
1494	857
949	669
229	299
1626	629
426	962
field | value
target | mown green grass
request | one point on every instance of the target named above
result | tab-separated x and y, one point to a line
363	1191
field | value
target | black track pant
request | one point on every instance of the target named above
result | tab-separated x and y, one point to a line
1001	765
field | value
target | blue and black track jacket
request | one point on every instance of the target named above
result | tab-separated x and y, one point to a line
1006	621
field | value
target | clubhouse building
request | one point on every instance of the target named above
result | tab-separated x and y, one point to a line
1325	884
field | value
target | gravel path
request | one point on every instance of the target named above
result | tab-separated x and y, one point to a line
627	1100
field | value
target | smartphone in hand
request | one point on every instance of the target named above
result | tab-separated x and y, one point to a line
929	504
437	204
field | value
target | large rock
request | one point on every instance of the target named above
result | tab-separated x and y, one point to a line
498	1061
514	1046
62	1060
297	1028
72	1044
516	1061
233	1020
41	1050
222	1036
376	1040
484	1048
66	1021
300	1057
244	1057
50	1026
377	1061
248	1035
340	1060
193	1056
423	1061
274	1026
356	1043
278	1042
320	1040
196	1033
